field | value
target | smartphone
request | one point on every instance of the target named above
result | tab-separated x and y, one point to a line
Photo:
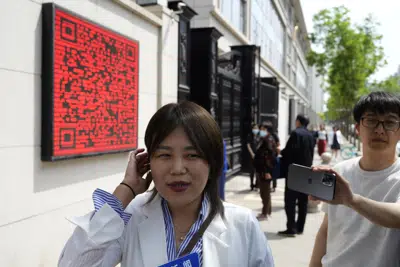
317	184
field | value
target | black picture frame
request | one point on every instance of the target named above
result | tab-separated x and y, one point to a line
47	94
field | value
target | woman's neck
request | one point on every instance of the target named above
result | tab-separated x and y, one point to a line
186	215
373	161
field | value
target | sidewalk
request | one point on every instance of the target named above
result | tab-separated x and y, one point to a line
287	252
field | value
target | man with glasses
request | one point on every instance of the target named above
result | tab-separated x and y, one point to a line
361	226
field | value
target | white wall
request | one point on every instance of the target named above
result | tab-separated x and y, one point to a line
317	102
202	8
283	125
36	196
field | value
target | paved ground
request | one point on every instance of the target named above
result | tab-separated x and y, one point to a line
287	252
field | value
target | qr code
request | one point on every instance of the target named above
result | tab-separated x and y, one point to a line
95	90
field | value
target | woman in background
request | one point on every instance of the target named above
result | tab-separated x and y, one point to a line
336	141
264	163
322	139
253	141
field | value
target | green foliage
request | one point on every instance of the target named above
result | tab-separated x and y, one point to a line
391	85
345	55
322	116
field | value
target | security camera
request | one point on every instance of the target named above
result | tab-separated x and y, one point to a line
180	7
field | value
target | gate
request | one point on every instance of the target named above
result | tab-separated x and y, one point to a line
229	89
216	83
269	101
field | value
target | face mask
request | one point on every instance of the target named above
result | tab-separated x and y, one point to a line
255	131
263	133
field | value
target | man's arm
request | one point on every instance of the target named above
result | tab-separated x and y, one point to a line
380	213
250	150
320	244
249	142
288	150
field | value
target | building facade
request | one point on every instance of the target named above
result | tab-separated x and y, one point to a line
317	98
278	28
38	195
242	60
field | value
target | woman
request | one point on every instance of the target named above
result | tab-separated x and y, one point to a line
183	215
264	163
253	140
276	171
322	139
336	141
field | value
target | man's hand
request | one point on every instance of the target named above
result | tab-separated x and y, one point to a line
385	214
267	176
343	193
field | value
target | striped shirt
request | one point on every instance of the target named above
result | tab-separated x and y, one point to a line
172	251
101	197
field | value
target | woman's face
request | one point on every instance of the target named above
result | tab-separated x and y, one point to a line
179	173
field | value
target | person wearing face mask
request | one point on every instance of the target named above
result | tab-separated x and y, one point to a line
253	141
264	163
276	172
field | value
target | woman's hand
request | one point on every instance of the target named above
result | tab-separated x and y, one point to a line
138	165
267	176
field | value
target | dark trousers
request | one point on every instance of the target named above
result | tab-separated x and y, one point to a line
291	197
265	194
274	182
253	179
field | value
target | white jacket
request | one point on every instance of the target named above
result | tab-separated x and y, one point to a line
338	136
102	240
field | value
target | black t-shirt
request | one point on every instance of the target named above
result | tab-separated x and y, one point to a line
253	140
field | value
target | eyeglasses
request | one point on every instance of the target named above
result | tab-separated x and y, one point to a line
389	125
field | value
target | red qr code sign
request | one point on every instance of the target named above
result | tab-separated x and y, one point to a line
89	87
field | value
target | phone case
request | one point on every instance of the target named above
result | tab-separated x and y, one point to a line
318	184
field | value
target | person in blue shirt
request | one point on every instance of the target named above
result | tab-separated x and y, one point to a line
222	179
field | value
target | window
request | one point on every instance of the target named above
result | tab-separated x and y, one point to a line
268	32
288	72
235	12
301	82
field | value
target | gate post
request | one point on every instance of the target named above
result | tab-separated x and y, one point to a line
204	57
270	98
184	43
248	74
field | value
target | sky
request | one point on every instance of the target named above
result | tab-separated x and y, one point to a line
386	12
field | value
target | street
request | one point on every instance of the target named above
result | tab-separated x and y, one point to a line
287	251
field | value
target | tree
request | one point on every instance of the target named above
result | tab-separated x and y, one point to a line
321	115
391	85
346	55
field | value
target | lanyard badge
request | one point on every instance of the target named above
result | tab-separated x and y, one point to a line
191	260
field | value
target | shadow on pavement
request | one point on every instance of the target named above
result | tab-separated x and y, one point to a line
277	208
273	236
239	192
